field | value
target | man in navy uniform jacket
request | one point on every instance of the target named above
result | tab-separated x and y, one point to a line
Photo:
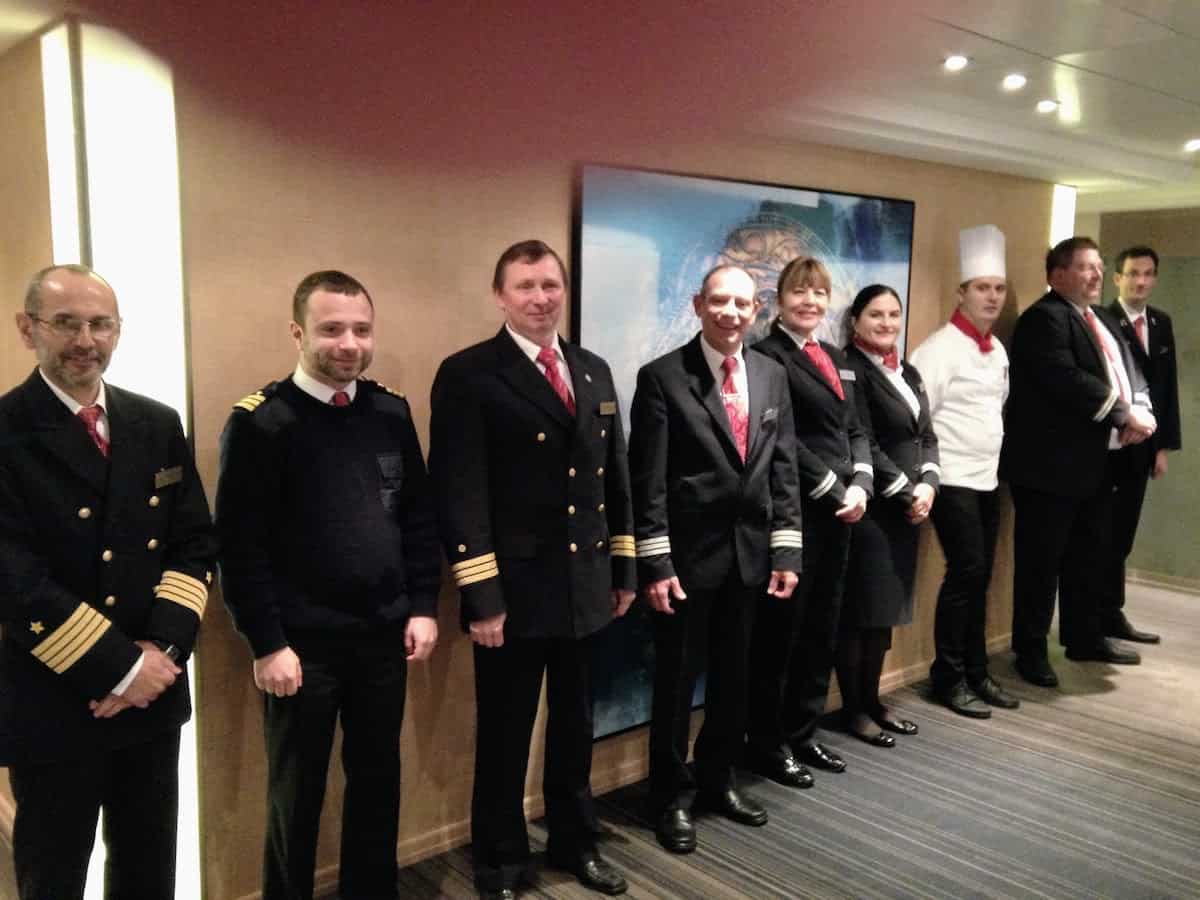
528	458
106	555
717	518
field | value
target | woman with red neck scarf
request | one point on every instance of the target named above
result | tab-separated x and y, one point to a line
883	547
966	379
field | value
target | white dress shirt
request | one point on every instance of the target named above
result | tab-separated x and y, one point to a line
319	389
1133	316
716	361
530	349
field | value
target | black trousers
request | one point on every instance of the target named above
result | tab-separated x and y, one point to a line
792	651
710	630
966	523
1129	470
1059	542
57	808
508	684
361	679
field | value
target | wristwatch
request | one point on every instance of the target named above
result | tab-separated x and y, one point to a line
172	652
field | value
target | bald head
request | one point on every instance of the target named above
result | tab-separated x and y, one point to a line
59	279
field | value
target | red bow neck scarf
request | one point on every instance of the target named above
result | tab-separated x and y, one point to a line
963	324
891	359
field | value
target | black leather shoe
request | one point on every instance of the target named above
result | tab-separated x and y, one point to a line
502	894
896	726
780	767
1107	650
734	805
961	699
992	694
1122	628
820	756
592	872
878	739
1036	670
675	830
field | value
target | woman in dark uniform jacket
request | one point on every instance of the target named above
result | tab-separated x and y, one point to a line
883	547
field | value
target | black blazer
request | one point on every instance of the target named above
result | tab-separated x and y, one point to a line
699	511
833	450
1159	367
533	504
94	555
907	452
1061	406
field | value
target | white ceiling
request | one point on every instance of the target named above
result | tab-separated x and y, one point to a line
867	74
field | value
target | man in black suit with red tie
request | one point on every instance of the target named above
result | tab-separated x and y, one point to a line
1150	338
528	459
1070	400
717	519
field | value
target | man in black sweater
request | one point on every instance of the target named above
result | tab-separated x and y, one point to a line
331	569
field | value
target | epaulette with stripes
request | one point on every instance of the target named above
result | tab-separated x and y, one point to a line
382	387
251	402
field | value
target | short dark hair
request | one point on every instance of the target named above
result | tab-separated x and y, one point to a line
531	251
724	267
1062	254
863	299
801	271
330	280
33	293
1135	252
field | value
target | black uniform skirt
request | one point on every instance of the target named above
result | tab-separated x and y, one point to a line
883	564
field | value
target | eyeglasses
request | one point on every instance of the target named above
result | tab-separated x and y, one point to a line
100	327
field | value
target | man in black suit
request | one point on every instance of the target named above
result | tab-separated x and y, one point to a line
1147	332
107	553
1070	400
528	459
717	519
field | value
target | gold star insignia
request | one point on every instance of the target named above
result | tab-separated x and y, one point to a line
37	627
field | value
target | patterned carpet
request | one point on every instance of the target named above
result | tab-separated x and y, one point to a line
1092	790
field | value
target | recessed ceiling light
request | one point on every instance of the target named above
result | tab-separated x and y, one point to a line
955	63
1013	82
1047	106
1192	146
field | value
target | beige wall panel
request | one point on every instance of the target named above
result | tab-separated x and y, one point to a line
264	206
24	228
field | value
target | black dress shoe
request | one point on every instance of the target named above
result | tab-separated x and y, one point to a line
820	756
896	726
734	805
1107	650
675	830
592	872
878	739
961	699
1122	628
992	694
780	767
502	894
1036	670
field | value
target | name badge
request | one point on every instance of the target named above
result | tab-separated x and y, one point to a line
847	374
769	414
164	477
608	407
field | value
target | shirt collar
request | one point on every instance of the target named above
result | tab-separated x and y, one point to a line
529	348
71	403
1130	314
797	337
317	389
715	358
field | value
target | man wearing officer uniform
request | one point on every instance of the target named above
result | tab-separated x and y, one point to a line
329	563
528	458
1071	400
107	552
1148	333
965	368
717	516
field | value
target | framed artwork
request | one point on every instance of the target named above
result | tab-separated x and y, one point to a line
642	242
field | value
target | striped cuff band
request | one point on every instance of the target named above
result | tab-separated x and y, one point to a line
655	546
67	643
824	487
188	592
1106	406
931	467
896	486
622	545
477	568
865	468
787	538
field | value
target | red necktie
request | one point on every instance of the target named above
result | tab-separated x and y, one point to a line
1139	327
822	361
340	398
1112	363
90	415
548	358
963	324
891	358
735	407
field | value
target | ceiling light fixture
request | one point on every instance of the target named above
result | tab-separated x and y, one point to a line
1013	82
1047	106
955	63
1192	146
